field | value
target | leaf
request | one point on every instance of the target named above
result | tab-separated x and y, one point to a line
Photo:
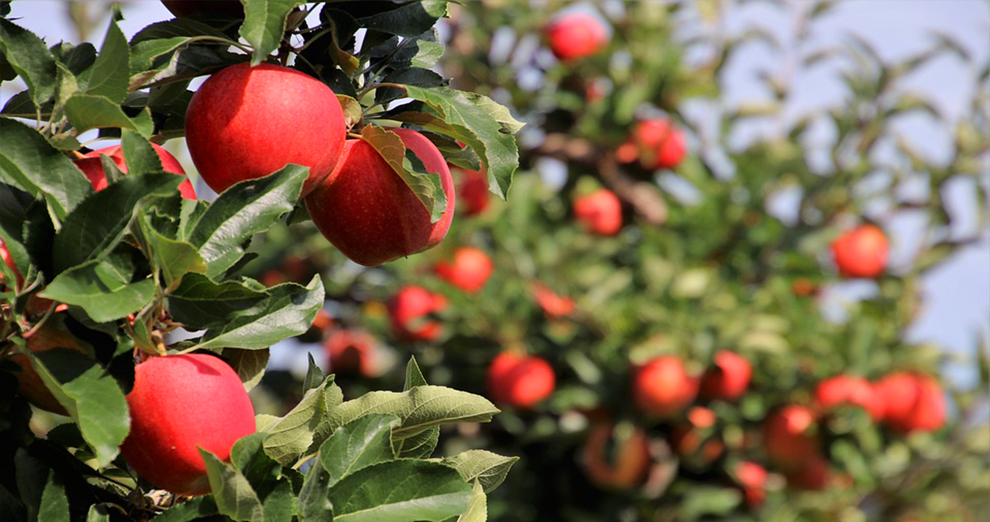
314	506
475	120
98	513
54	504
231	491
288	311
30	59
30	163
144	53
110	72
420	408
99	223
249	364
264	24
249	458
190	510
245	209
90	395
314	375
419	446
426	185
200	303
477	510
414	376
352	109
358	444
86	111
400	491
173	28
96	288
489	469
409	19
280	504
292	435
139	155
174	258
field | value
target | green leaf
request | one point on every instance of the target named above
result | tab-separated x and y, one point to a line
139	155
30	59
30	163
143	53
414	376
90	395
426	185
400	491
486	467
473	119
54	504
96	288
288	311
419	446
314	506
190	510
280	504
231	491
358	444
314	375
264	24
249	364
420	408
292	435
86	112
98	513
200	303
249	458
161	31
97	225
409	19
477	510
247	208
174	258
111	71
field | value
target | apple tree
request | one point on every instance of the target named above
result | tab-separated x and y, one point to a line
126	306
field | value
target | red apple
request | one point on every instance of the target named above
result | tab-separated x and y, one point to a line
368	212
657	143
469	271
695	441
187	8
29	384
789	437
408	311
861	252
5	254
179	403
911	402
848	390
753	479
600	212
553	305
92	167
519	381
351	351
473	192
575	36
728	379
662	387
246	122
625	466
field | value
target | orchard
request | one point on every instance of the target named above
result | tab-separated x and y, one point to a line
420	260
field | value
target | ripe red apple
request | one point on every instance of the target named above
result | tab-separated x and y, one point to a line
9	260
371	215
728	379
849	390
519	381
246	122
554	306
351	351
92	167
696	442
179	403
469	271
29	384
662	387
575	36
600	212
753	479
657	143
187	8
790	438
912	402
473	191
408	311
625	466
861	252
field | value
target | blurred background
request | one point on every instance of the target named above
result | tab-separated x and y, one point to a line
739	141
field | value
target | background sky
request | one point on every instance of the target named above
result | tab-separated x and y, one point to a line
957	312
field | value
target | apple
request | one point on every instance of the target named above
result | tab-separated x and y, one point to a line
600	212
790	438
246	122
179	403
92	167
473	192
657	143
187	8
753	479
911	402
519	381
369	213
696	442
625	466
29	385
861	252
408	311
728	379
351	351
9	260
575	36
663	388
849	390
813	475
554	306
469	271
